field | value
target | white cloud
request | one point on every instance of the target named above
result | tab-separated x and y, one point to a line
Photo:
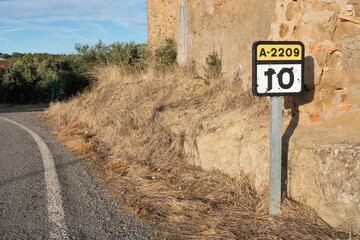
4	30
30	25
123	12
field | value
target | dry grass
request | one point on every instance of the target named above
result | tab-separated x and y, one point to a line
139	153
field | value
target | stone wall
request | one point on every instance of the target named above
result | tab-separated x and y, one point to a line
162	21
330	30
323	156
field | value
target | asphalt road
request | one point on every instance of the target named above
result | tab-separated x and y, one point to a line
60	201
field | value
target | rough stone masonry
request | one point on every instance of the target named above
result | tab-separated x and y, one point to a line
330	31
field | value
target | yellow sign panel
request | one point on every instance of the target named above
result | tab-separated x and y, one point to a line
279	52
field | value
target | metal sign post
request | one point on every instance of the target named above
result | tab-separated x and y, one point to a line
275	155
278	70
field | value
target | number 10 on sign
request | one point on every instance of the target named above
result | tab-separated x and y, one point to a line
278	79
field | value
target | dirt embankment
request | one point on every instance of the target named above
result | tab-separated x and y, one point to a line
133	131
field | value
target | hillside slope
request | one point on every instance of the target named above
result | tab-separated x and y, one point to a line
147	135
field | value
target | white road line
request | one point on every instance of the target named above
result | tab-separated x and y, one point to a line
54	202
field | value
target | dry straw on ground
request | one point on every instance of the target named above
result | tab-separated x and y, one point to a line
123	126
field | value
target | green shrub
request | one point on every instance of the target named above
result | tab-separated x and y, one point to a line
27	80
73	77
130	56
22	84
166	55
212	68
29	77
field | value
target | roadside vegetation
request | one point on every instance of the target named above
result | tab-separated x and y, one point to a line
40	78
132	124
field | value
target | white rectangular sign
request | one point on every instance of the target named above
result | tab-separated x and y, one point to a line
279	78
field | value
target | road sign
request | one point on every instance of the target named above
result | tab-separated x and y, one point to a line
278	68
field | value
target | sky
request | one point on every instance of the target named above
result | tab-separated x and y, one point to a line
54	26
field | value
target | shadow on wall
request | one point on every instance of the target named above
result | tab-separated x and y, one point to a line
293	104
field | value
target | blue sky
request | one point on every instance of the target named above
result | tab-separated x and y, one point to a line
54	26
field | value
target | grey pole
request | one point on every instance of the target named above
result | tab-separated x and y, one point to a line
275	155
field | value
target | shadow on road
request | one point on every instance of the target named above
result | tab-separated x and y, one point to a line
35	173
10	108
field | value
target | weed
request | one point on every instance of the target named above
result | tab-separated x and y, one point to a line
212	68
166	55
